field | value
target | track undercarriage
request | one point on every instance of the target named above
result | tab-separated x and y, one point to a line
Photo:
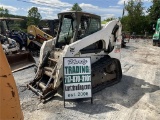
105	72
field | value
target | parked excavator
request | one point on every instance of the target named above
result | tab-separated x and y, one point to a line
12	43
79	35
46	30
10	108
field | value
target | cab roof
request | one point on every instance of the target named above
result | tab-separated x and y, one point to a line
49	20
80	13
9	18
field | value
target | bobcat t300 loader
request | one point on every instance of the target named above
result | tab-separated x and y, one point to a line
80	35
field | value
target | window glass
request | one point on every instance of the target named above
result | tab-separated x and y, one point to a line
87	26
94	26
66	31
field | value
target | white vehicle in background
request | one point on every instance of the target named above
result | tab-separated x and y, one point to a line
9	45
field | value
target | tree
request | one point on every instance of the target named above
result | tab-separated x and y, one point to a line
154	12
34	16
4	12
76	7
134	21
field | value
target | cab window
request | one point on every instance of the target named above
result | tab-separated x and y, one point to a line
88	26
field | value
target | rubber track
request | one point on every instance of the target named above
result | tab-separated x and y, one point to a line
105	61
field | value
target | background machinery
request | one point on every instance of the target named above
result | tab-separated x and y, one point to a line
80	35
7	25
156	36
46	30
9	45
12	43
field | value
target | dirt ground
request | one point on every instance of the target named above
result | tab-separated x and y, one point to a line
136	97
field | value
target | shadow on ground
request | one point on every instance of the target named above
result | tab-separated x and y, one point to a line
126	93
130	47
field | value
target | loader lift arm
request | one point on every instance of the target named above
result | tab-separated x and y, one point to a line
46	30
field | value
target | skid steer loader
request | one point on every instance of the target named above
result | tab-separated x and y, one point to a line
11	43
80	35
45	31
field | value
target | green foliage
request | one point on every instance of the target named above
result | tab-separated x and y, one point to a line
154	13
107	20
34	16
16	25
103	22
135	20
76	7
4	12
22	24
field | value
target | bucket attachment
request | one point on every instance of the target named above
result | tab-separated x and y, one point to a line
20	60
